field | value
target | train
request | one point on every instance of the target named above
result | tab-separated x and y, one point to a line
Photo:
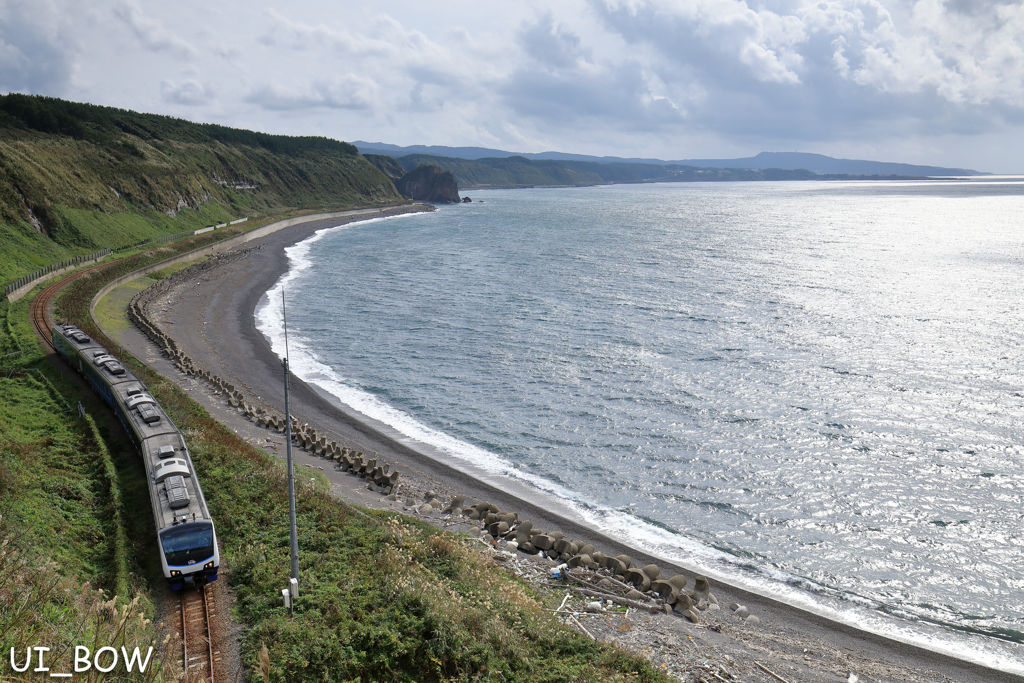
187	538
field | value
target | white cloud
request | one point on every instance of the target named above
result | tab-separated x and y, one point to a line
760	43
816	70
38	48
614	95
151	34
284	32
190	92
965	52
553	45
348	92
842	64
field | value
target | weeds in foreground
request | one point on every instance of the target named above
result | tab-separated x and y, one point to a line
41	608
386	598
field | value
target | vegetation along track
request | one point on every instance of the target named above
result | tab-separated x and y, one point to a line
195	606
197	653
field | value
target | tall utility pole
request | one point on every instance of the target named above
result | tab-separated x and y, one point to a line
288	448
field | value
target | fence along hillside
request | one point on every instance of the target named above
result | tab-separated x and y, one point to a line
21	286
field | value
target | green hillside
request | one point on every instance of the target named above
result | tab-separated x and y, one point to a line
507	172
522	172
75	178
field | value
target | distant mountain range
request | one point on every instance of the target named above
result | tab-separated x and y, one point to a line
816	163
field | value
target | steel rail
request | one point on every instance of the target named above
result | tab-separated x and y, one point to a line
195	627
40	308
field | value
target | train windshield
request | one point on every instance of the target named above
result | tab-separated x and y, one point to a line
187	543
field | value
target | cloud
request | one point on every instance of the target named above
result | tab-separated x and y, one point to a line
560	83
552	45
151	34
628	77
302	37
344	92
617	96
411	72
296	35
38	50
822	69
190	92
229	52
980	46
724	37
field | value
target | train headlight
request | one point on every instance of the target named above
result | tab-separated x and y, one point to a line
175	573
208	565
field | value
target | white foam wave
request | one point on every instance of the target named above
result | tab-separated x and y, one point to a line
649	538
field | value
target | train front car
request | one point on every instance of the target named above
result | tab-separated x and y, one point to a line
188	540
189	554
186	534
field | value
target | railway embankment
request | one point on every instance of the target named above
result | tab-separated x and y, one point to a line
379	473
74	551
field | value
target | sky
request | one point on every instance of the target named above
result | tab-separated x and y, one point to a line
937	82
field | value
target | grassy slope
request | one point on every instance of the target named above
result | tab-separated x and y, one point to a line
67	512
74	504
510	172
388	165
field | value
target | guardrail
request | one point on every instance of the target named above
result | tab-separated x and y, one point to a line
154	240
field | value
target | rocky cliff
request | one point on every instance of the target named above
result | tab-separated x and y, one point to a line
428	183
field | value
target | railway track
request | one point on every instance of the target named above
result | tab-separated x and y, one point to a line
195	606
197	653
40	309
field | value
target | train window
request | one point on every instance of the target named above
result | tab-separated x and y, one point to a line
186	544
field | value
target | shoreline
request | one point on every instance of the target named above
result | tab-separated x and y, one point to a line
228	296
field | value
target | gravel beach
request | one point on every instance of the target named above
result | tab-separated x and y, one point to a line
211	318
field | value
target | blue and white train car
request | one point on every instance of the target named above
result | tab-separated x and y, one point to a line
187	538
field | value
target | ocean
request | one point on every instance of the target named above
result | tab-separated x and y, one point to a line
810	389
